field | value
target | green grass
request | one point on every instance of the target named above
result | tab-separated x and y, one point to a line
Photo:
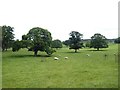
23	70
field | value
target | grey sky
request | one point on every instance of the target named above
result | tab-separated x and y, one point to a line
61	17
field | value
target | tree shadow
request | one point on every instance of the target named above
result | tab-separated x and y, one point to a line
25	56
73	52
97	50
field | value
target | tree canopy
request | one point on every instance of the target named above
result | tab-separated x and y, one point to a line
117	40
66	42
98	41
7	37
75	41
38	39
56	44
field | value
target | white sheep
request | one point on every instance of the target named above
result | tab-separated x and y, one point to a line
55	58
66	57
88	55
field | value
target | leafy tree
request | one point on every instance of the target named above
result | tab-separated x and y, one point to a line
117	40
75	41
24	37
56	44
7	37
37	39
87	44
66	42
16	45
41	39
98	41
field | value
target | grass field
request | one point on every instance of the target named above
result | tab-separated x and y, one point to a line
23	70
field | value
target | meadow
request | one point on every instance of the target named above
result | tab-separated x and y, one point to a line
22	70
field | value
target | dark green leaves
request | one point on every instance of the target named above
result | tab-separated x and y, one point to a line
98	41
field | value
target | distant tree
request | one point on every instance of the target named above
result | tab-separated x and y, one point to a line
66	42
37	39
26	44
7	37
56	44
16	45
117	40
98	41
87	44
24	37
75	41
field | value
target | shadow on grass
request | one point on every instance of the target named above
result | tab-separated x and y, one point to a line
73	52
97	50
25	56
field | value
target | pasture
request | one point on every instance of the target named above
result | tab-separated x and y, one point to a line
22	70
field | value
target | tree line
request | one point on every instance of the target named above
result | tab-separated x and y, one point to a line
39	39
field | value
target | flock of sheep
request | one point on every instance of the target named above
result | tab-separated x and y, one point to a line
56	58
88	55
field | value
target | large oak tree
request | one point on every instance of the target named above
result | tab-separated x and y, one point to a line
7	37
37	39
98	41
75	41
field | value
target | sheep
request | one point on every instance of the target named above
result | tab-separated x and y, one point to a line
55	58
66	57
88	55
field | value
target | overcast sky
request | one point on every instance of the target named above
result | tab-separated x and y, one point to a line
60	17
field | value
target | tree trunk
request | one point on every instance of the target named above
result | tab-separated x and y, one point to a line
75	50
35	53
97	49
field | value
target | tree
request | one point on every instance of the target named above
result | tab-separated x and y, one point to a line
24	37
87	44
117	40
66	42
7	37
16	45
41	39
37	39
98	41
75	41
56	44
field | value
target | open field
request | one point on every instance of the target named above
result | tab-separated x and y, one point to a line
23	70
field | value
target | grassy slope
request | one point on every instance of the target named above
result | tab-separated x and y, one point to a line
22	70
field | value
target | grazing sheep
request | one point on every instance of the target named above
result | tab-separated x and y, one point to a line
114	53
55	58
66	57
88	55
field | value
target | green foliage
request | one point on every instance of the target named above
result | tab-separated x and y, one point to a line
117	40
87	44
24	37
7	37
98	41
26	43
16	45
66	42
37	39
49	50
75	41
41	40
56	44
